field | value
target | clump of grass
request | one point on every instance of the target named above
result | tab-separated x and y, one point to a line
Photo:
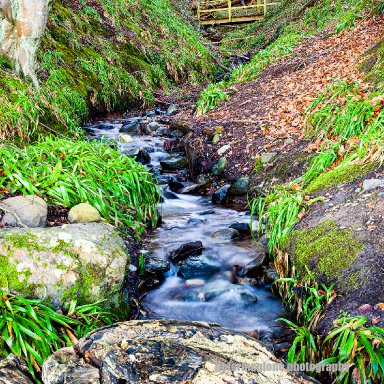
210	97
69	173
33	330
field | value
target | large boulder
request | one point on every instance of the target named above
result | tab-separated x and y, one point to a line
167	352
24	211
86	262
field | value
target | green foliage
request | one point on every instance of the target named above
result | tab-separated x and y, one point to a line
281	208
89	317
69	173
141	267
339	116
33	330
305	297
210	97
351	342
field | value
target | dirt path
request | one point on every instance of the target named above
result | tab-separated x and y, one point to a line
264	113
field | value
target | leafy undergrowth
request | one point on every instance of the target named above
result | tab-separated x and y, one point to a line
100	56
33	329
340	14
68	173
350	341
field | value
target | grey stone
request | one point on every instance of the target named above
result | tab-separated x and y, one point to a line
204	353
370	184
14	371
172	110
270	274
65	367
105	126
242	228
220	196
226	234
223	149
268	157
174	163
30	210
83	262
83	213
218	169
239	187
154	126
197	189
255	267
198	266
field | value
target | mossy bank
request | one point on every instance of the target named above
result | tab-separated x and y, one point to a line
98	56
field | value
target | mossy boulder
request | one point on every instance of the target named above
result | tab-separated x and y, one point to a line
328	251
83	262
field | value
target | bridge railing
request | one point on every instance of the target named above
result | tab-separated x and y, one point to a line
208	13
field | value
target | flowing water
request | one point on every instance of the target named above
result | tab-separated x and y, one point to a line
205	291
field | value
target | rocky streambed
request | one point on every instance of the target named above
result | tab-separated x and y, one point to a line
206	261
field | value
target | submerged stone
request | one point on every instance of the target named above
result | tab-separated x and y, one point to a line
198	266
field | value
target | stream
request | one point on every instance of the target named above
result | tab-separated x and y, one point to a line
203	286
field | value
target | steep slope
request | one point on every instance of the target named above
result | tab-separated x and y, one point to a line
100	56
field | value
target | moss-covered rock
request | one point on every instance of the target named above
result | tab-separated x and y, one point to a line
328	251
83	262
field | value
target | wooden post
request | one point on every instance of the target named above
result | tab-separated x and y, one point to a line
198	10
230	10
265	7
259	7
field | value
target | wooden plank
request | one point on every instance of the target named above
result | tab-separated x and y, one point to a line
234	20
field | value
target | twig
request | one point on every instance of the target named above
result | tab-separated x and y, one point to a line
17	217
51	129
219	64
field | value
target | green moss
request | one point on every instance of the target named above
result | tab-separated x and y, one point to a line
327	250
27	240
11	279
339	175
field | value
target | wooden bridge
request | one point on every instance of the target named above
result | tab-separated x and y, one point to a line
210	12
